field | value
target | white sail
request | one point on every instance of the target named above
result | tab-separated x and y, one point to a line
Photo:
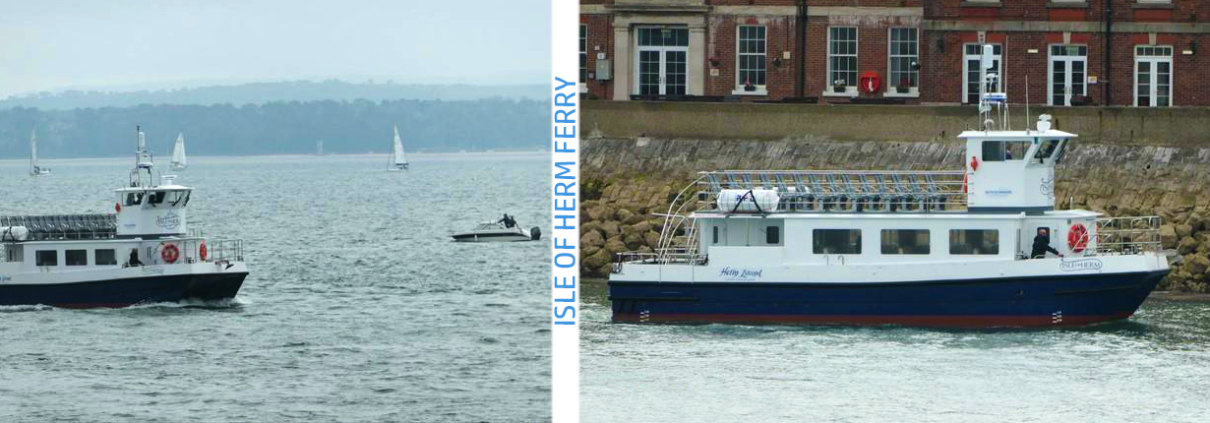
401	158
33	149
178	153
34	168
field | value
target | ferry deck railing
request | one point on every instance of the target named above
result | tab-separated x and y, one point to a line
846	191
225	250
58	227
1128	235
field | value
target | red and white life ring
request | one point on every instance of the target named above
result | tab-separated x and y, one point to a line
170	253
1077	238
202	252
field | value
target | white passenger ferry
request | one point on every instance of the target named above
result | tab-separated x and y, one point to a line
143	253
980	247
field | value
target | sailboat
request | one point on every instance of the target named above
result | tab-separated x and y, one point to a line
34	169
398	159
178	153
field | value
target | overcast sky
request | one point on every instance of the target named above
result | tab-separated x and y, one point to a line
151	44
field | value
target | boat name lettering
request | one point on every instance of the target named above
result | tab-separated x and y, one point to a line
1081	265
155	270
999	192
6	278
170	220
733	274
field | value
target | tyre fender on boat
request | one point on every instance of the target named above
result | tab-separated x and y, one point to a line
170	253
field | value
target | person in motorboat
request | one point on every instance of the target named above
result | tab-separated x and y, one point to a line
1042	245
508	221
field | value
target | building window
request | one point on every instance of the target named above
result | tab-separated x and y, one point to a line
836	241
1068	64
46	258
75	257
905	241
842	56
974	242
772	235
1152	76
583	53
750	56
105	257
972	57
904	52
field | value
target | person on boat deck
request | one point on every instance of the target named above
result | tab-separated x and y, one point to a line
507	221
1042	245
134	258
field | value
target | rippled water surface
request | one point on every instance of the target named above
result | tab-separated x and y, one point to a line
358	306
1154	367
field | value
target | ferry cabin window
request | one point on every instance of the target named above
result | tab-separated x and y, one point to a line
133	199
105	257
1047	150
46	258
75	257
999	151
715	240
772	235
974	242
905	241
836	241
156	197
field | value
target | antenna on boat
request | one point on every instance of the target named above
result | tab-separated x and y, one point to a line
1027	103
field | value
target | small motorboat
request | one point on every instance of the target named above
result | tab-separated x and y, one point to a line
503	230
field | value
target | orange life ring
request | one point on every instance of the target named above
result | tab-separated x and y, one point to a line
170	253
201	251
1077	238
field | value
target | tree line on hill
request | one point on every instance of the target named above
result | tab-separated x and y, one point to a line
346	127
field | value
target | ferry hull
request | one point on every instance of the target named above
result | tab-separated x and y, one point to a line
1010	302
126	292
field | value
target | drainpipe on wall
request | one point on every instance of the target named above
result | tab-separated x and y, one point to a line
1107	56
800	86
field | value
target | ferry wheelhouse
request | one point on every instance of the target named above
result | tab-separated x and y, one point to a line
943	248
142	253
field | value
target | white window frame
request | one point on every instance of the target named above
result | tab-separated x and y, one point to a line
761	89
965	72
850	89
583	53
1154	60
638	52
889	90
1050	74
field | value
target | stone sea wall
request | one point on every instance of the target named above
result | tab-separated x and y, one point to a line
628	180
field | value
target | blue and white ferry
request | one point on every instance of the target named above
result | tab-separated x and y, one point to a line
962	248
142	253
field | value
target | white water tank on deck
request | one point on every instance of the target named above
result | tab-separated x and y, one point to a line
748	200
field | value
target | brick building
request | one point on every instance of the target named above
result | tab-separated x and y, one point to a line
918	51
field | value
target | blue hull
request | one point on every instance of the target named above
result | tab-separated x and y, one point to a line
1004	302
126	292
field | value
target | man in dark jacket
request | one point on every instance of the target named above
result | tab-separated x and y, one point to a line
1042	245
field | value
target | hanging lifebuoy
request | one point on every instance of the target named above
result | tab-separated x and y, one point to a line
974	163
1077	238
201	251
170	253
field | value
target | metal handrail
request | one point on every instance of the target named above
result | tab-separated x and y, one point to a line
827	190
1128	235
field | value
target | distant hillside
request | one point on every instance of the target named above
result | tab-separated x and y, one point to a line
265	92
280	127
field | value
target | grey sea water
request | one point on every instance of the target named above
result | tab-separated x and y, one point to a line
358	306
1154	367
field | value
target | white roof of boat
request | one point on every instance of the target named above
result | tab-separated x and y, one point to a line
957	215
155	187
1053	133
